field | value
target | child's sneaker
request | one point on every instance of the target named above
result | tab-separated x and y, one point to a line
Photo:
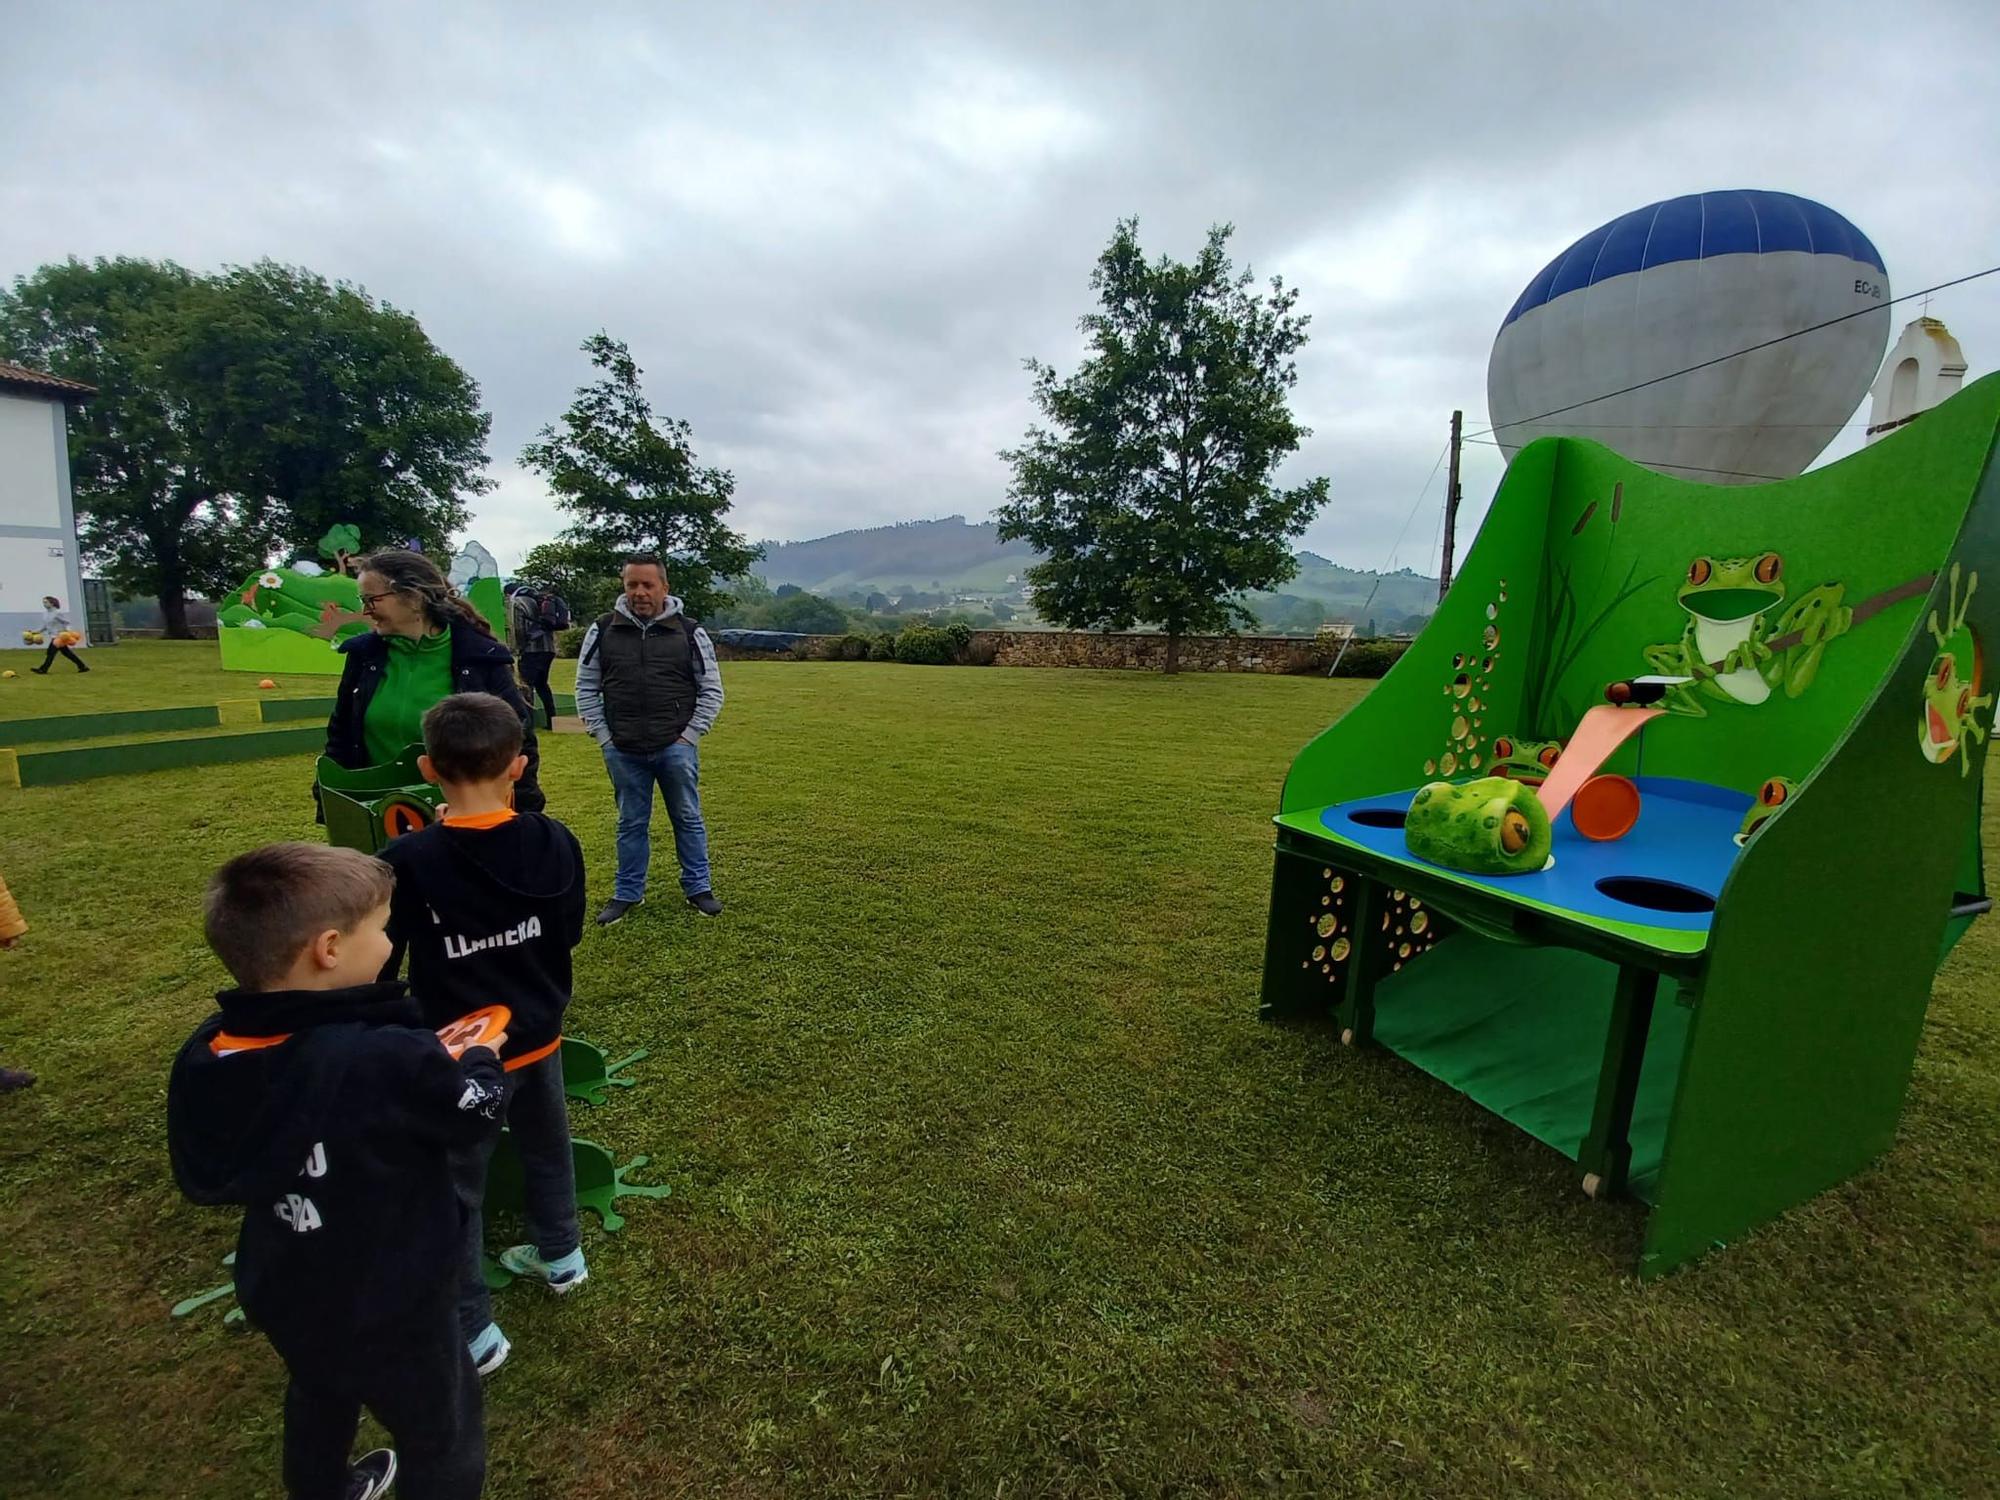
490	1349
371	1477
560	1276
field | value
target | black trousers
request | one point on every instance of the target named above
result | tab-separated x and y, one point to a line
420	1384
50	660
535	673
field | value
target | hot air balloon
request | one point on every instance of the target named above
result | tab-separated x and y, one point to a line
1679	283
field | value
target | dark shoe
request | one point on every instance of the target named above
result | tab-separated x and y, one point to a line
39	671
86	669
705	903
614	911
13	1078
371	1477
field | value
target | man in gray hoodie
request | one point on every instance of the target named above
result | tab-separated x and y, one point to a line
647	688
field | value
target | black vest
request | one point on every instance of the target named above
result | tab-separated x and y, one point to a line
649	679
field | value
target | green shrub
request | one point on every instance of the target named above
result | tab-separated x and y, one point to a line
926	645
1371	658
961	638
854	648
570	642
882	648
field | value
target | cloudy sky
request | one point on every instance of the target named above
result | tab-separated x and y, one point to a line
831	233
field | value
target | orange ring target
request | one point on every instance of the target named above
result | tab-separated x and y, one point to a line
400	817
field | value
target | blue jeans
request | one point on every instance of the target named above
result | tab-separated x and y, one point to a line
676	770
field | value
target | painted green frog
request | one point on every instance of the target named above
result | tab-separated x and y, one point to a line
1492	826
1771	796
1526	761
1728	649
1952	699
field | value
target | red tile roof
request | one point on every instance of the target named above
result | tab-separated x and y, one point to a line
15	377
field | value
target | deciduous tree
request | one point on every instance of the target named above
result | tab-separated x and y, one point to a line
1149	491
633	483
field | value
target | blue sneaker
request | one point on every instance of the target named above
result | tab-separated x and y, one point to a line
489	1350
560	1276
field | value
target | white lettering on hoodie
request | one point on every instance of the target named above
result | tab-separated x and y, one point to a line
457	945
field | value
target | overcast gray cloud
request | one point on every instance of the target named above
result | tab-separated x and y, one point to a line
831	233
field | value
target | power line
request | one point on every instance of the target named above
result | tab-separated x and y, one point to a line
1663	464
1859	312
1370	600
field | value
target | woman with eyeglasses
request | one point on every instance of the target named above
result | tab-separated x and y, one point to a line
427	643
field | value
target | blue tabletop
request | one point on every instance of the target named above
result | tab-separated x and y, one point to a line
1685	838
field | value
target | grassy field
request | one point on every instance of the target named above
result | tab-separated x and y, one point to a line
986	1179
153	674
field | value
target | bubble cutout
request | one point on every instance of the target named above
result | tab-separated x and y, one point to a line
1419	920
1473	761
1492	611
1459	728
1341	948
1339	884
1461	684
1430	768
1403	951
1319	952
1448	763
1492	638
1328	922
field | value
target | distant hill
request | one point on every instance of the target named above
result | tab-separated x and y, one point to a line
948	555
954	556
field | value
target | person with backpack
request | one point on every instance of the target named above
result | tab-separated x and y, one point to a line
539	616
647	688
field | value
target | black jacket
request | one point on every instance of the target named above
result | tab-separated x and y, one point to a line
335	1129
488	916
479	664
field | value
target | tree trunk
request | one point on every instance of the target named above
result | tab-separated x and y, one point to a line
1173	652
173	605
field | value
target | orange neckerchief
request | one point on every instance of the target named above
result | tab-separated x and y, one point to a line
481	820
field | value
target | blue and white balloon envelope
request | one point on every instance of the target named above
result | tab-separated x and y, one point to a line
1679	283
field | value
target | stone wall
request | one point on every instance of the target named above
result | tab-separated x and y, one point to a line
1142	651
1146	651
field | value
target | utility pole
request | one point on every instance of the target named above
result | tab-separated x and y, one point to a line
1451	505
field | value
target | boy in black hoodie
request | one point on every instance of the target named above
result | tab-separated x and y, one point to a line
314	1099
489	903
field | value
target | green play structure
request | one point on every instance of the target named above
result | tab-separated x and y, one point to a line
1785	683
366	807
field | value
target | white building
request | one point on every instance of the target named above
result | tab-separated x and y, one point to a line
1925	368
38	551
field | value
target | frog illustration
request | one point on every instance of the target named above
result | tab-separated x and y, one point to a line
1728	649
1492	826
1952	699
1771	796
1526	761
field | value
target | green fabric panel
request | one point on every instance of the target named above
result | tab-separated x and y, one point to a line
57	767
1828	526
276	653
416	676
285	710
1383	743
1521	1032
102	726
1827	937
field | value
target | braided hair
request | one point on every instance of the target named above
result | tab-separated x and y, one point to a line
416	576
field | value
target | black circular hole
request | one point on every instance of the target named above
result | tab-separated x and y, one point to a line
1655	895
1378	817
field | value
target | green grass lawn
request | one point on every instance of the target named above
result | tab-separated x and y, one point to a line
986	1179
